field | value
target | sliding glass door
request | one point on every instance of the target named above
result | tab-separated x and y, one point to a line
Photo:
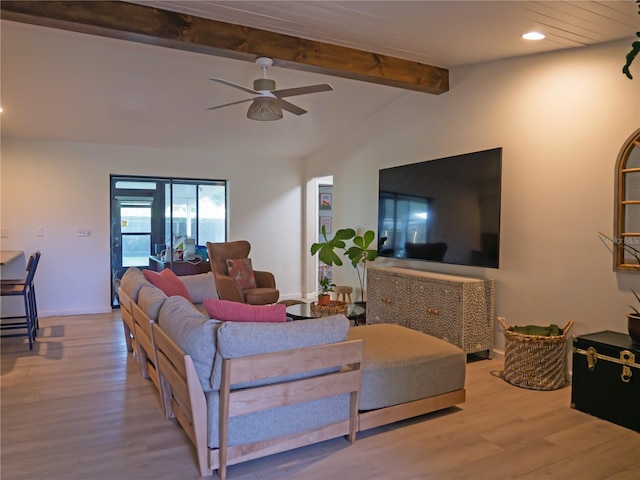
165	217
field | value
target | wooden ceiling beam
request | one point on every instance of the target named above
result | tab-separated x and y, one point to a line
149	25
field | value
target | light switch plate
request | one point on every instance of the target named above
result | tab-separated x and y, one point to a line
39	231
4	233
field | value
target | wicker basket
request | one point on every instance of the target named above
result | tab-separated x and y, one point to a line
533	361
332	308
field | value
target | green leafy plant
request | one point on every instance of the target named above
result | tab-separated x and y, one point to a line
635	49
358	253
326	286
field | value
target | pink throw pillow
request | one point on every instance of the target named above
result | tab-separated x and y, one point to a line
168	282
225	310
241	270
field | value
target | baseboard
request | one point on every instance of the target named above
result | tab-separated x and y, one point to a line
497	354
69	313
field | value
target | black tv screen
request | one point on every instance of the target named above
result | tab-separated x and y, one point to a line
445	210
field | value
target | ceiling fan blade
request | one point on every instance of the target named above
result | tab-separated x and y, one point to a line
234	85
232	103
291	92
290	107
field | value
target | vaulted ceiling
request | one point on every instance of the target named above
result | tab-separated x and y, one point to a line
61	84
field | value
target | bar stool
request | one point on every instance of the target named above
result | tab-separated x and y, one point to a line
26	289
343	293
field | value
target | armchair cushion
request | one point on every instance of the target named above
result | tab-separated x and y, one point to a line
241	270
224	310
168	282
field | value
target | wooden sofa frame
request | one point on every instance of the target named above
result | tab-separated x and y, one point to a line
138	336
145	344
383	416
184	398
127	320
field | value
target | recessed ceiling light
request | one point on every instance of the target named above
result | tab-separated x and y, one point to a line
533	36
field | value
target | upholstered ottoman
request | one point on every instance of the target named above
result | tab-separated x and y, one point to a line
406	373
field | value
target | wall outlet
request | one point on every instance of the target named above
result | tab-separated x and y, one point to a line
4	233
84	232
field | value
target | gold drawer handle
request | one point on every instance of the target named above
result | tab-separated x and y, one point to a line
433	311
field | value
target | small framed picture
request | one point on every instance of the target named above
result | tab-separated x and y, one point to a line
325	201
326	223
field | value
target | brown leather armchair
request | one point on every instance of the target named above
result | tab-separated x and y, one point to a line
228	289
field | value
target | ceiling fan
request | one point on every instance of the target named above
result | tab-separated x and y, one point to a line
267	102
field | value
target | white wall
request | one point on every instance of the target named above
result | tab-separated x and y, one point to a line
63	186
561	119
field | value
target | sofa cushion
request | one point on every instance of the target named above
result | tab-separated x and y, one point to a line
225	310
132	281
200	286
238	339
150	300
168	282
194	332
401	365
241	270
276	422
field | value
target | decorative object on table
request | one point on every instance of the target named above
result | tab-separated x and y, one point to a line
359	253
326	287
606	377
536	358
334	307
635	49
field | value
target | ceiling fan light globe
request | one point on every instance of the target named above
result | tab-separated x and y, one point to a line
264	109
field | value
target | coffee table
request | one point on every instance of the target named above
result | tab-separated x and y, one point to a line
303	311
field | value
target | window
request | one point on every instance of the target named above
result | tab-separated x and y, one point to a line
627	221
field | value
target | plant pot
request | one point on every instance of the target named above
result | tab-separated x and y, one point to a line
633	325
324	299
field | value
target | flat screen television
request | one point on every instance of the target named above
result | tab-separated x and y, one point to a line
445	210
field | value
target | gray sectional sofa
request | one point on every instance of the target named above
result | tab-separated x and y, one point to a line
242	390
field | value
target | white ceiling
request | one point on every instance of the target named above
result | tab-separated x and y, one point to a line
63	85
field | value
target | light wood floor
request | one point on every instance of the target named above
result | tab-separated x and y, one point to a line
76	408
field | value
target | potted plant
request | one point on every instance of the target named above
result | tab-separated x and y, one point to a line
324	297
359	252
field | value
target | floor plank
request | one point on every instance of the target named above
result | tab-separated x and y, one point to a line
76	407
